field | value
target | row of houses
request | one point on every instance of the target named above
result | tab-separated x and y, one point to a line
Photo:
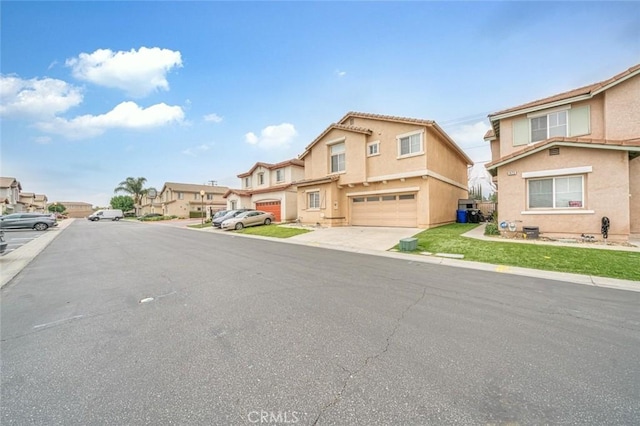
561	164
15	201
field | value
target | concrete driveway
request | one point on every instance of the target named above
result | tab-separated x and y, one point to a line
357	237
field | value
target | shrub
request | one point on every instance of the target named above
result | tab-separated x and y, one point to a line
491	229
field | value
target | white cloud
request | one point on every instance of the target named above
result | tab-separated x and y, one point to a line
41	98
469	134
194	151
341	73
213	117
127	115
136	72
279	136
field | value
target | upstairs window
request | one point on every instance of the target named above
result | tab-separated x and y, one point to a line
280	175
549	126
373	148
410	144
260	178
337	158
180	195
247	182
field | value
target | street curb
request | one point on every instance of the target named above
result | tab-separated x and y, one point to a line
589	280
14	262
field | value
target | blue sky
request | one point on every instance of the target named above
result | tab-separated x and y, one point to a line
94	92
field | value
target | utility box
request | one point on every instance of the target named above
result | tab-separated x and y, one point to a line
532	232
408	244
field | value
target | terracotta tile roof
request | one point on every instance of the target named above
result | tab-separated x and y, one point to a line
356	114
633	144
591	89
190	187
317	181
269	166
8	182
249	192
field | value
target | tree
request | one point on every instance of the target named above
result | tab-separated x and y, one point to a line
122	202
56	208
134	187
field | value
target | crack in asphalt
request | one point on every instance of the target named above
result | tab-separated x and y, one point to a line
338	396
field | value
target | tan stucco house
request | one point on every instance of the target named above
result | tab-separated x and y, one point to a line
564	162
10	195
378	170
40	203
269	187
27	200
179	199
77	209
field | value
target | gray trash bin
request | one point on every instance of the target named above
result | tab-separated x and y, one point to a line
532	232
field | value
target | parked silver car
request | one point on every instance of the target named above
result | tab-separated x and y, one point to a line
250	218
37	221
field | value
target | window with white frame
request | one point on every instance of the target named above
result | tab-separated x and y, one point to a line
180	195
260	178
373	148
247	182
280	175
556	192
209	196
337	157
410	144
314	200
234	204
549	125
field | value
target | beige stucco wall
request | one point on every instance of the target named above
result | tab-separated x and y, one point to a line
634	199
622	110
443	210
606	193
446	162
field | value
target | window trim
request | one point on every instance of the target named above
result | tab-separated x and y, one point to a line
343	153
247	182
409	134
553	208
313	193
281	172
547	113
371	144
260	178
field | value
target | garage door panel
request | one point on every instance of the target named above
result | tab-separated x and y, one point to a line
271	207
387	210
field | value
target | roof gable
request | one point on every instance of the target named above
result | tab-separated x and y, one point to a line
269	166
336	126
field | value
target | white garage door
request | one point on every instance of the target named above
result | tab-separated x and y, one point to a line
399	210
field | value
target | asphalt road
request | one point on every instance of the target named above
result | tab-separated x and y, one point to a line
129	323
16	238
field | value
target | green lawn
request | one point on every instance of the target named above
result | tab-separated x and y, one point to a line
273	231
588	261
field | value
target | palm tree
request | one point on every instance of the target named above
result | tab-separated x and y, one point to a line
133	187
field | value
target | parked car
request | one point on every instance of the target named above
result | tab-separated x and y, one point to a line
37	221
217	222
219	213
114	214
3	243
250	218
148	215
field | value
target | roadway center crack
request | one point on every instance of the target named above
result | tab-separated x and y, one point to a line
365	363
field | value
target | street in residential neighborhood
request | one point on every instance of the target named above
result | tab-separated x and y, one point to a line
131	323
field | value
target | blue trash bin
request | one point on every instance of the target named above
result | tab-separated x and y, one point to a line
461	216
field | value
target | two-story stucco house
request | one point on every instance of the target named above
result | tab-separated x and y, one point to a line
179	199
27	200
269	187
40	203
564	162
10	194
378	170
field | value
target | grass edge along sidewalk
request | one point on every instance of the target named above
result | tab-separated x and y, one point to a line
586	261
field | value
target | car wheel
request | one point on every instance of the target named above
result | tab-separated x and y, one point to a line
116	219
239	226
267	221
96	219
40	226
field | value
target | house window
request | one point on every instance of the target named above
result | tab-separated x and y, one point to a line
209	196
247	182
410	144
548	126
260	178
180	195
337	158
234	204
314	200
373	148
280	175
556	192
